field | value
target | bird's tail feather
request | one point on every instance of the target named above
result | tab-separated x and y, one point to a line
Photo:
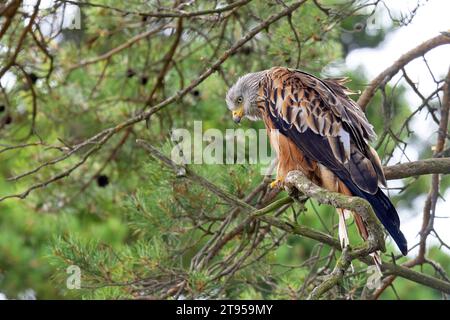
386	213
388	216
383	208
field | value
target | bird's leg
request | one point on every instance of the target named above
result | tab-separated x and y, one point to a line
342	230
278	182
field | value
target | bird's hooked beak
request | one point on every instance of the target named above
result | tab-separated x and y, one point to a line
238	114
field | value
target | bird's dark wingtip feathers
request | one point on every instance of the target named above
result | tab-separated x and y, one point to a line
388	216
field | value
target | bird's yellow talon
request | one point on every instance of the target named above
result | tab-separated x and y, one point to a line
276	183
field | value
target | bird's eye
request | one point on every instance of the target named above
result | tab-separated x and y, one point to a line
239	100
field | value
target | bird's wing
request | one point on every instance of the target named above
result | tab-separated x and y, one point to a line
328	128
324	123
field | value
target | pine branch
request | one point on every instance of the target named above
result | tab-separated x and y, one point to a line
406	58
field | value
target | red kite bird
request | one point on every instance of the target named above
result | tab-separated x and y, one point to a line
316	128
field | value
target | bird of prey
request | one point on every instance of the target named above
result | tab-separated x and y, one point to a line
316	128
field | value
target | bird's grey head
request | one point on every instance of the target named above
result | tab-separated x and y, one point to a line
242	97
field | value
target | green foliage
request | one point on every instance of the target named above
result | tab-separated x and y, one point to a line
138	234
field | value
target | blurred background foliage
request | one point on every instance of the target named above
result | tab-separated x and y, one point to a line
122	217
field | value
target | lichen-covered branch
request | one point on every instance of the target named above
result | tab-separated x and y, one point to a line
295	179
417	168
